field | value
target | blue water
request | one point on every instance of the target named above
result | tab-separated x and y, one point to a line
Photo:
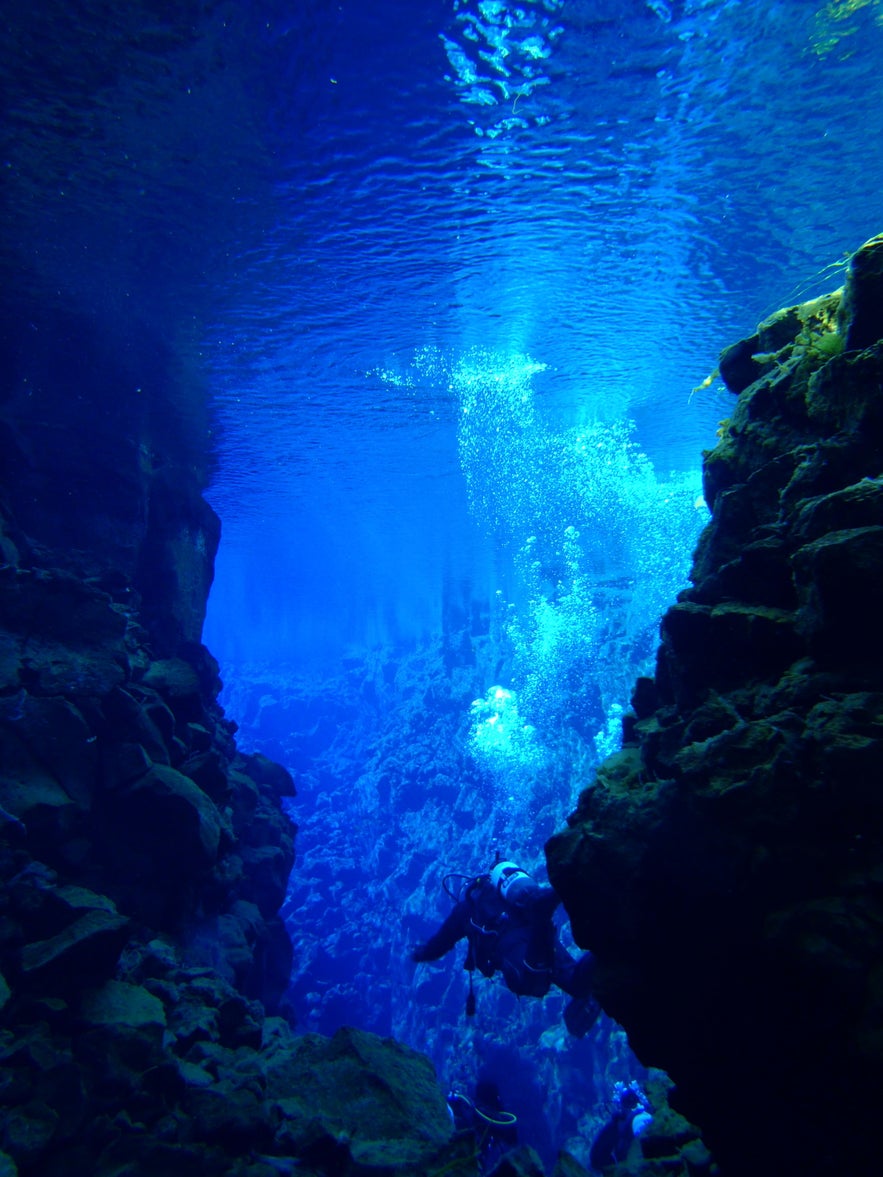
304	199
608	192
449	276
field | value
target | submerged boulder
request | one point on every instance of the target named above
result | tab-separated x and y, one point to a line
87	948
169	821
373	1104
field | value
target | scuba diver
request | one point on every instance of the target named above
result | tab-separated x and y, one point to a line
506	918
629	1118
493	1129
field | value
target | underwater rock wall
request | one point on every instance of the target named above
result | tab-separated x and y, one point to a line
143	859
727	865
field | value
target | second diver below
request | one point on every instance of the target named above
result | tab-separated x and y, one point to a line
506	918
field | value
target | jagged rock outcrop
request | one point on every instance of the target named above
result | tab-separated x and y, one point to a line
727	865
119	773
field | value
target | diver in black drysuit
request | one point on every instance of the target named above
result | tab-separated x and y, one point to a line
629	1119
493	1129
506	917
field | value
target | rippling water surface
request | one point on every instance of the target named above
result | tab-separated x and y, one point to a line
353	220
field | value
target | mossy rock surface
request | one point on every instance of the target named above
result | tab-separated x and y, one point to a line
736	913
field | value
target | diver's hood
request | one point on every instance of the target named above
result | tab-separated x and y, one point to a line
505	875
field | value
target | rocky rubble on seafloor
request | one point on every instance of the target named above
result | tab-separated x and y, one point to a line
727	865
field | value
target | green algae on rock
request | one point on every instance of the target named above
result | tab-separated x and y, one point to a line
725	867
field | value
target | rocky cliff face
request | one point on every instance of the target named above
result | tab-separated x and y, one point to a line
143	859
727	865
